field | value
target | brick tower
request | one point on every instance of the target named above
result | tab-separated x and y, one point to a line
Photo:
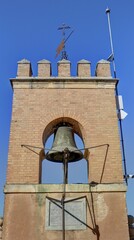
87	103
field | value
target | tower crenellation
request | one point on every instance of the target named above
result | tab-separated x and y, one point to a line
44	68
64	68
83	68
24	68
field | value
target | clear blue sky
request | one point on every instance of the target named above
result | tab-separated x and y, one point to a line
28	29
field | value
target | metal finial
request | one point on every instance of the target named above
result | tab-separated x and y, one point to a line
61	46
107	10
63	28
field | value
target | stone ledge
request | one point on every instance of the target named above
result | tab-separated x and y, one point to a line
63	82
67	79
55	188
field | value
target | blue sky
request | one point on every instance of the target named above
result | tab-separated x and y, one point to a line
28	29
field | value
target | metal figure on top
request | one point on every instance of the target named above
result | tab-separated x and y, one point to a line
61	46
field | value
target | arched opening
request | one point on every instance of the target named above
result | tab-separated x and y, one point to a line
78	171
52	172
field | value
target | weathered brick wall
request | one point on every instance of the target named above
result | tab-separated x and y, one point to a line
44	68
25	215
34	109
83	68
64	68
92	105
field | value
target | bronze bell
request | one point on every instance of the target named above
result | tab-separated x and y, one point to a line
64	139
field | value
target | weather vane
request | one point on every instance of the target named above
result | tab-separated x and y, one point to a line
61	46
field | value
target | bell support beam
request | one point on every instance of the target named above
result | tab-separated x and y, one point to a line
52	188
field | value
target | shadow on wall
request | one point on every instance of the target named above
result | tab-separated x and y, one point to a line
131	226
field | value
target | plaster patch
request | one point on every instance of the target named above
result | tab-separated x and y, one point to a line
102	208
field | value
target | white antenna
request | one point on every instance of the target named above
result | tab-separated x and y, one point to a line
121	115
111	57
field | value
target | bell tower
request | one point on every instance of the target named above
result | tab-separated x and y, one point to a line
64	105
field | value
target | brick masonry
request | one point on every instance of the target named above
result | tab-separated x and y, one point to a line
88	103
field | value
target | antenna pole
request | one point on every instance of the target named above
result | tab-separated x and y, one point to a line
114	68
111	40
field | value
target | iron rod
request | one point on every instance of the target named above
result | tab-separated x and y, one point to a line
122	145
68	36
53	201
97	146
65	163
63	217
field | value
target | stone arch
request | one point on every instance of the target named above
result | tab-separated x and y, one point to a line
77	127
49	130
